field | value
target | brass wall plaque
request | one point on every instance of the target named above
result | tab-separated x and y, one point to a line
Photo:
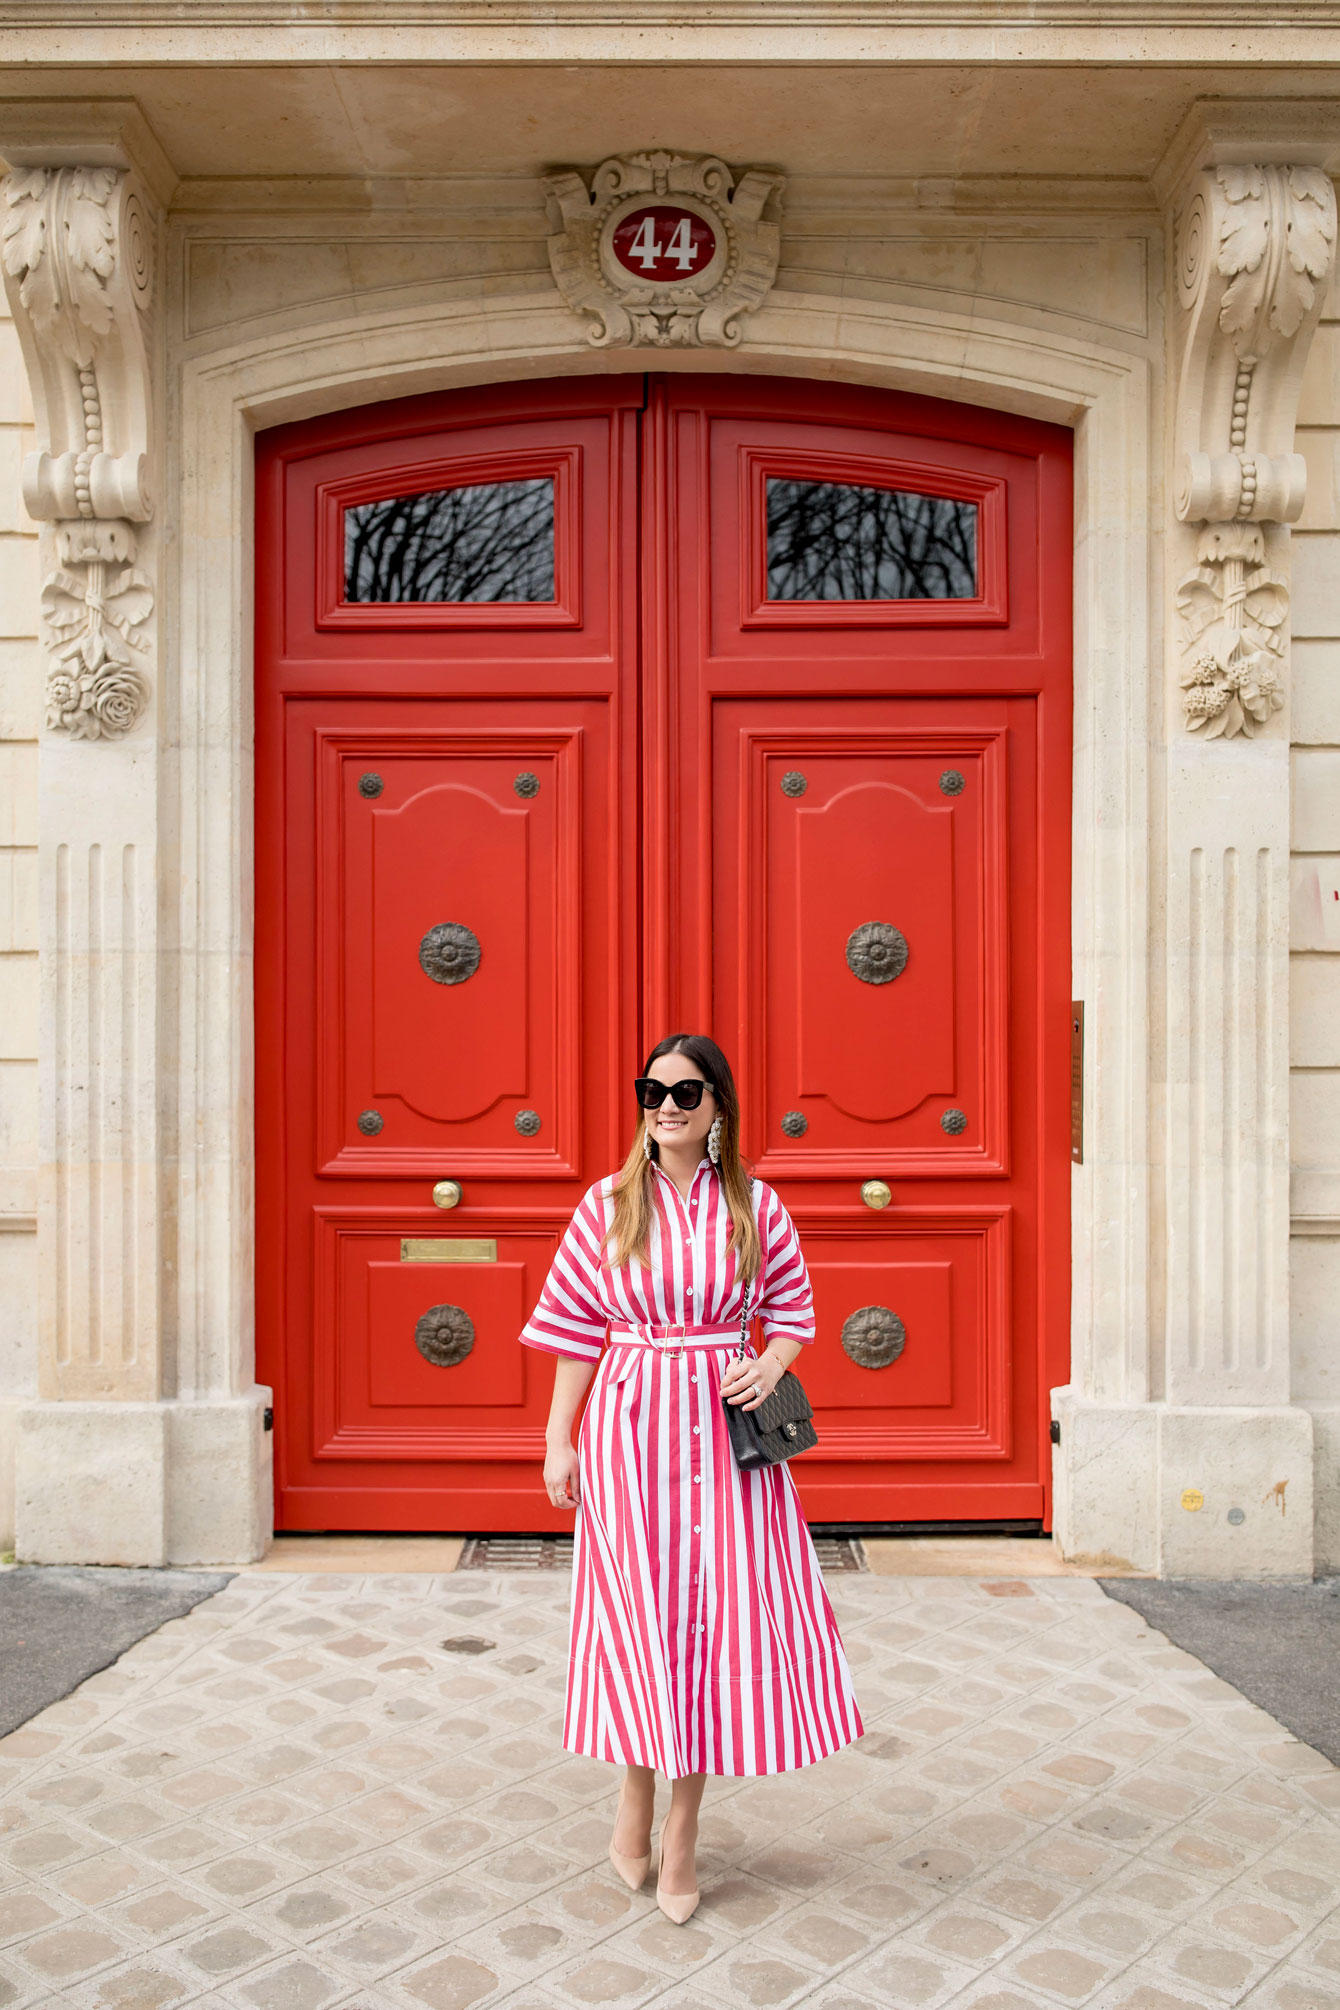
448	1249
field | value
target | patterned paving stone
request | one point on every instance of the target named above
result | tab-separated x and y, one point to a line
297	1798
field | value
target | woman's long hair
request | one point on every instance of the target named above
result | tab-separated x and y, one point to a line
629	1234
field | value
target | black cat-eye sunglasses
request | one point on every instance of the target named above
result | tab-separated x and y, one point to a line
687	1094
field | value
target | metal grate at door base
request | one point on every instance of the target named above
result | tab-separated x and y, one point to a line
554	1552
840	1552
516	1552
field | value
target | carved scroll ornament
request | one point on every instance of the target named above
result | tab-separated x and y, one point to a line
78	268
1255	245
664	249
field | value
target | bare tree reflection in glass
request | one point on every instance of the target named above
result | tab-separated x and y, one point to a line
489	541
837	541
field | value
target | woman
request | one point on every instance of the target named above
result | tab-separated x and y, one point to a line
702	1638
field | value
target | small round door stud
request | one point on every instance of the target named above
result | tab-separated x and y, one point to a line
370	1122
795	1123
794	783
953	1123
447	1193
527	785
952	783
370	785
876	1193
873	1337
877	952
527	1122
444	1335
449	953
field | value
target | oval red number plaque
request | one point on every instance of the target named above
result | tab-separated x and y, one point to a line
663	242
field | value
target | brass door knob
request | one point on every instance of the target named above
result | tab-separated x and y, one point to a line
447	1193
876	1193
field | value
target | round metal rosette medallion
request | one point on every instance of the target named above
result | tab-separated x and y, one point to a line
527	1122
877	952
795	1123
527	785
953	1123
873	1337
952	783
370	785
370	1122
444	1335
794	783
449	953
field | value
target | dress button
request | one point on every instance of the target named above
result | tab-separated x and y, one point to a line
696	1429
697	1479
697	1530
693	1378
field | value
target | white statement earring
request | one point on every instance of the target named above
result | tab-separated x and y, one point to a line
647	1147
714	1141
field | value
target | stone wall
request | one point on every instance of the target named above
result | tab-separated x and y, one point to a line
1314	1014
20	692
291	297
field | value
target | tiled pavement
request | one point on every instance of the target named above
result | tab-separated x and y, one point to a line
297	1797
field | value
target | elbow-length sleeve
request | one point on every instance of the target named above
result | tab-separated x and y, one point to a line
786	1301
569	1319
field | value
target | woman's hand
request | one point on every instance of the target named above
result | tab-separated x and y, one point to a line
747	1383
560	1456
560	1476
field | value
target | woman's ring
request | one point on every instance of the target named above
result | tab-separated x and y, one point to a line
758	1388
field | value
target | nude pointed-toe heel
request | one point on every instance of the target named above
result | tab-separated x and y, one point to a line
632	1869
677	1905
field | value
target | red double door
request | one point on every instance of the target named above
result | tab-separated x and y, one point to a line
596	710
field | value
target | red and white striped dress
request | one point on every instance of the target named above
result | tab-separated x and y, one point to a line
702	1639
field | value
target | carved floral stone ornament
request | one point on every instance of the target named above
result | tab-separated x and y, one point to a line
1254	247
664	249
78	268
1233	609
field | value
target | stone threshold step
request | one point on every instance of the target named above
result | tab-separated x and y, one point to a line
885	1556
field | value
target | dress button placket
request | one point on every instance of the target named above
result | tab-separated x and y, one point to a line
696	1627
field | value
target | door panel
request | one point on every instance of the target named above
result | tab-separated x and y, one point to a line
414	1362
446	775
586	711
873	902
868	853
459	908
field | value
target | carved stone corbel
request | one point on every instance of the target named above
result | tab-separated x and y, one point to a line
1254	246
78	267
664	249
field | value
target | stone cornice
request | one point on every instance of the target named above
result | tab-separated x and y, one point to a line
1302	34
1221	132
1008	14
378	202
85	132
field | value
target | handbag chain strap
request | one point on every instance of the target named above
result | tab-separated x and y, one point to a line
748	1294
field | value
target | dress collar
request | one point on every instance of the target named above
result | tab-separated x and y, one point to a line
704	1165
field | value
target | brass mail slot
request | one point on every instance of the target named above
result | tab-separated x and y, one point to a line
448	1249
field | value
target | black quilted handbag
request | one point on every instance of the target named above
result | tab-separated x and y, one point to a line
781	1426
